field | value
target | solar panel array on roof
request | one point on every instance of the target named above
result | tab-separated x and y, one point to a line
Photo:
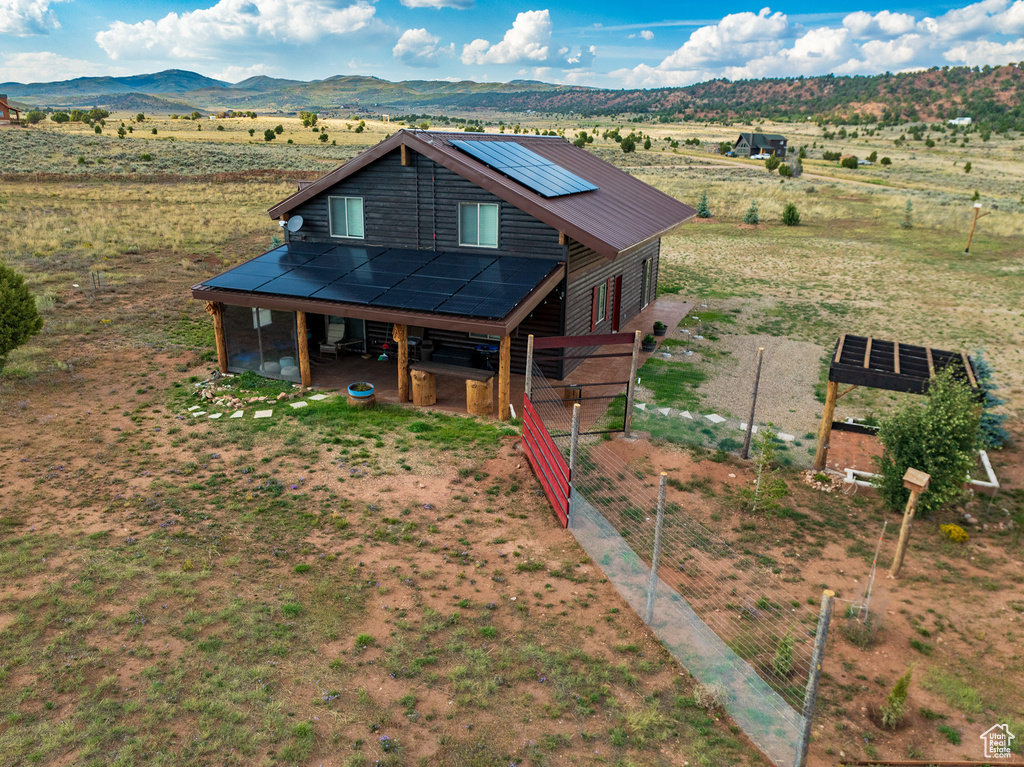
447	283
526	166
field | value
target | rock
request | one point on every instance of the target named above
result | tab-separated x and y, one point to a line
282	395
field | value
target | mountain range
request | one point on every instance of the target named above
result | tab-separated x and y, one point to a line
992	93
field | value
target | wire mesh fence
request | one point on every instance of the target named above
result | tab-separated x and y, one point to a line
718	608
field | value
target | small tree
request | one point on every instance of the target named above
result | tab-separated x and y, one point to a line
34	116
768	488
790	215
771	163
252	131
323	138
703	211
873	157
724	147
269	135
60	117
121	132
97	129
782	663
850	162
967	167
802	155
752	216
991	432
885	161
908	215
797	168
279	129
19	317
785	171
629	144
139	118
939	439
895	706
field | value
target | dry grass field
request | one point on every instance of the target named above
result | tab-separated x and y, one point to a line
339	588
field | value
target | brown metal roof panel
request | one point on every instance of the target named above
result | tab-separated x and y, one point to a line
622	213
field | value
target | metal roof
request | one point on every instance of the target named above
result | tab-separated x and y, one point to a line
622	214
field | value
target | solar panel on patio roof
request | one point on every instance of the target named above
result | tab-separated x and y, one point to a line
299	287
410	299
234	281
349	293
526	166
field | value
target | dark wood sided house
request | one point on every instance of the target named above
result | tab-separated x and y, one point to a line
456	246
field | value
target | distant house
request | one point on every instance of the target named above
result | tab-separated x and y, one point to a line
461	240
5	112
961	121
760	143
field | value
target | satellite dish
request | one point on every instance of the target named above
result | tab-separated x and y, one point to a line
294	223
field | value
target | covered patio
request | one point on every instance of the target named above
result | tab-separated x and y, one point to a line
275	315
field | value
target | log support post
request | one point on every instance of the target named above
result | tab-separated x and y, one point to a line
216	310
300	330
825	432
529	366
627	421
504	376
400	335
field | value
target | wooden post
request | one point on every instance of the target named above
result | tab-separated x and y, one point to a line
529	366
400	334
828	598
916	482
974	223
825	432
216	310
659	524
753	404
300	321
504	375
627	424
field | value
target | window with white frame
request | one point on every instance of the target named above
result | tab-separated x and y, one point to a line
478	224
346	216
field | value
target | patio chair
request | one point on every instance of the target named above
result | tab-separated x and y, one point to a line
336	342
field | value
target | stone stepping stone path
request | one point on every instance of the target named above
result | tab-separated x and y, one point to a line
715	418
664	410
712	417
215	416
297	405
198	413
195	411
237	414
263	414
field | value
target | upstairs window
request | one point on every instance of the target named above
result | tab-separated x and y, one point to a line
346	216
478	224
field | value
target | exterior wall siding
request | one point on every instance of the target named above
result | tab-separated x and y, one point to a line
417	207
586	272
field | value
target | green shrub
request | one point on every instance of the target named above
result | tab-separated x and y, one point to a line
782	664
885	161
991	432
967	167
939	438
60	117
785	171
279	129
34	116
771	163
269	135
752	216
895	707
703	211
850	162
908	215
790	215
19	317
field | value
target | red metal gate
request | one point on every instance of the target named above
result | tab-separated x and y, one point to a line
547	461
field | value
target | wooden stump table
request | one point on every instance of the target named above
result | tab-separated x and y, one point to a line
424	388
480	396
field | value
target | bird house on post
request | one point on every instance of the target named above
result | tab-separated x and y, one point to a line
916	482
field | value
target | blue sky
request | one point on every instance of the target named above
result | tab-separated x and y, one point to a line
609	43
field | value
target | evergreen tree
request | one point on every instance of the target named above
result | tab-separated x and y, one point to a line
703	211
19	317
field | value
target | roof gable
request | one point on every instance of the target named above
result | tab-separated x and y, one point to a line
623	213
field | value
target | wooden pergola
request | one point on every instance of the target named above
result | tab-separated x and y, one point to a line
890	365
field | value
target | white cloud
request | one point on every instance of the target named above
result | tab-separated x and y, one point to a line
22	18
460	5
206	32
981	52
745	45
235	74
46	66
734	40
528	40
419	48
646	34
882	24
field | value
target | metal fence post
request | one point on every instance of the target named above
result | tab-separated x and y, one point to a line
811	695
529	367
627	423
573	453
656	559
753	404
